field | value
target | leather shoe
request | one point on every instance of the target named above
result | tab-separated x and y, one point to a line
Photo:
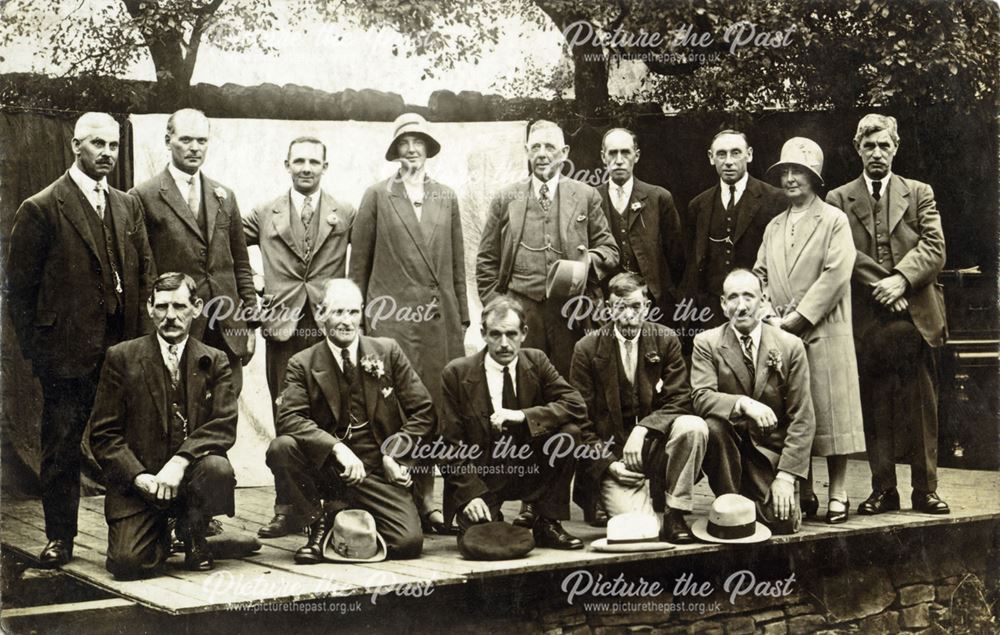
884	501
528	517
550	533
56	553
809	505
838	517
675	529
929	503
280	525
197	555
600	518
312	551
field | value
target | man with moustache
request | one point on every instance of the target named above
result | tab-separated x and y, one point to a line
78	269
194	227
644	223
504	401
351	411
531	225
303	236
899	317
725	224
407	256
631	374
750	382
163	419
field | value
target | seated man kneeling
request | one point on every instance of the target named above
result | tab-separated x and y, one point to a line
632	375
163	419
346	400
502	410
750	381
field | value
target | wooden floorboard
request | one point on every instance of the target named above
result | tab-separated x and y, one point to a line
272	576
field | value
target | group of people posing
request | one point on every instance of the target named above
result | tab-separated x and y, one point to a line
815	329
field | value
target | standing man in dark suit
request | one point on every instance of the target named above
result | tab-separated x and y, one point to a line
352	411
194	227
163	419
725	224
303	236
644	222
499	403
78	269
533	224
632	375
750	382
898	312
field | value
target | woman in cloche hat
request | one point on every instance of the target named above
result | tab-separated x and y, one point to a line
806	261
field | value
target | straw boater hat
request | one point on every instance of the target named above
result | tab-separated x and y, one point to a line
732	519
634	531
411	123
353	538
801	152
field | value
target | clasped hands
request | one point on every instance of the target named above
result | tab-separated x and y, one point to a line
889	292
164	485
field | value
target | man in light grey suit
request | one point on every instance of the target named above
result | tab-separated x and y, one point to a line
303	236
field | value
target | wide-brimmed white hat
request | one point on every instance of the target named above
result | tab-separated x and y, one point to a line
732	519
801	152
634	531
353	538
411	123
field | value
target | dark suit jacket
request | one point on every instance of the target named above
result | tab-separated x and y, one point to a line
719	377
54	287
759	204
290	278
917	244
661	383
547	400
583	229
218	262
131	414
397	402
656	239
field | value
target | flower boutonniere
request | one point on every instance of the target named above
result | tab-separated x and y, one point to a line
774	360
331	220
636	206
387	392
653	357
220	194
373	366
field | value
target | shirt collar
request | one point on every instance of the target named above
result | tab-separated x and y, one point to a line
741	186
884	181
495	366
183	178
622	339
754	335
298	198
84	182
553	183
352	349
627	186
165	345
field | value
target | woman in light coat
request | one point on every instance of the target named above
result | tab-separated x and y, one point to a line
805	261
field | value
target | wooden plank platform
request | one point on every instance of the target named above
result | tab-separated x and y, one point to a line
272	576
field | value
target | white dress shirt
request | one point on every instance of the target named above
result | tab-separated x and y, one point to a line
352	352
625	193
183	181
536	186
741	187
165	348
628	364
494	380
884	181
87	185
754	337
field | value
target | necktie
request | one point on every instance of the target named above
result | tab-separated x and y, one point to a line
876	190
620	200
173	365
509	398
748	355
732	199
306	214
99	199
544	201
349	371
630	361
192	196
